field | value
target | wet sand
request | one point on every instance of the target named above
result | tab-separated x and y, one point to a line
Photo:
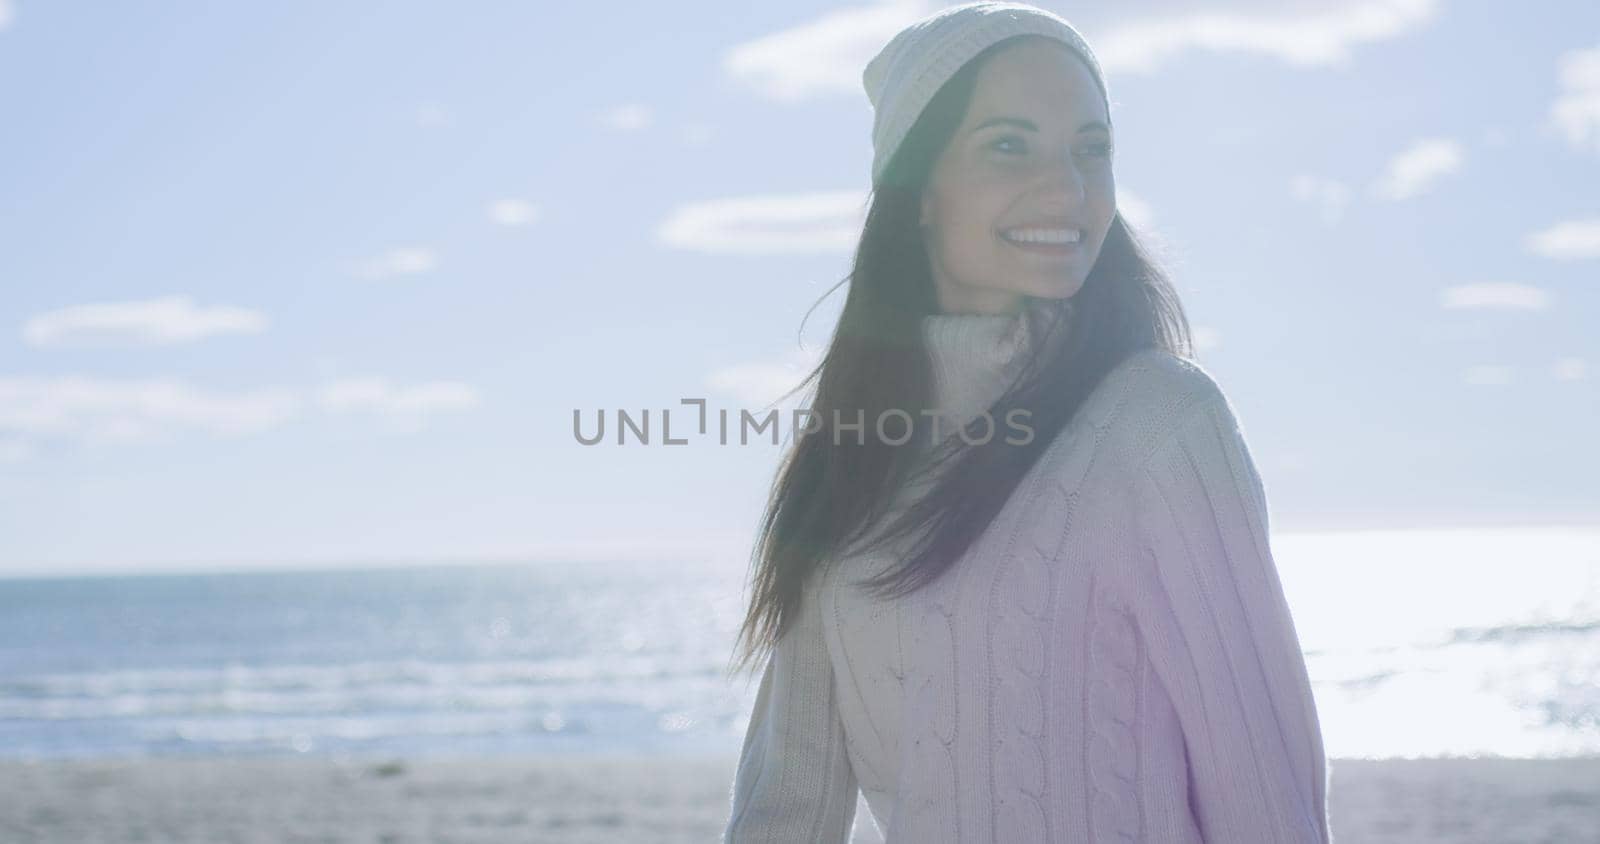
660	799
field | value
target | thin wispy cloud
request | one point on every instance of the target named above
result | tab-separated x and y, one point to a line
780	224
410	260
166	320
99	410
822	56
1303	36
1418	168
1329	196
1576	111
627	117
1487	375
107	411
514	212
1569	240
1494	295
6	13
817	222
383	397
1569	369
1205	338
760	383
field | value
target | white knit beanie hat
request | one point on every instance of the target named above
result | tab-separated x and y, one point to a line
910	69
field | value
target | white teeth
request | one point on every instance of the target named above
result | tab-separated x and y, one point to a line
1043	235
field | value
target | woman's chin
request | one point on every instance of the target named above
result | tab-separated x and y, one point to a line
1057	289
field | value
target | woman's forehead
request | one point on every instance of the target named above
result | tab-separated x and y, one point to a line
1054	84
1043	110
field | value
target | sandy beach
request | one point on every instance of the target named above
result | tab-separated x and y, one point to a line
659	799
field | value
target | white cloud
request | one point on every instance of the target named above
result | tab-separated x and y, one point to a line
514	212
102	410
1494	295
1418	166
1576	111
1328	195
1312	34
826	55
1570	240
163	321
627	117
801	223
1569	369
761	383
822	56
406	406
7	14
1487	374
411	260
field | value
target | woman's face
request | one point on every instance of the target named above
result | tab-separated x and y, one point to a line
1032	154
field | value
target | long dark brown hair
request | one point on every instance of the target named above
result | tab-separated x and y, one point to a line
830	488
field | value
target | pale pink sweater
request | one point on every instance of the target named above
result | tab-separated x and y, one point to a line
1114	660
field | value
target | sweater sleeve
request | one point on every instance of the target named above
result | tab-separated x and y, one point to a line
1221	637
794	782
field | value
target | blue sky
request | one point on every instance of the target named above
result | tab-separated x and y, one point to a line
313	284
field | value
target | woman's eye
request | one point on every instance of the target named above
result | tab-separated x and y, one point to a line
1102	150
1006	139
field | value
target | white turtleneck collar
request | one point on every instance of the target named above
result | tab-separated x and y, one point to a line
975	357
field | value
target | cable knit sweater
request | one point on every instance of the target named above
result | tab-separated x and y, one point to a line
1113	660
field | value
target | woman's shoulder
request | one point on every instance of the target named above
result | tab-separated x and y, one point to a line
1162	374
1146	395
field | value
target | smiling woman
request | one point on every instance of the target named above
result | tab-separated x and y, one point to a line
1019	204
1075	636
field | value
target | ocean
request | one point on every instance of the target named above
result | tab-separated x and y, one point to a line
1449	646
501	658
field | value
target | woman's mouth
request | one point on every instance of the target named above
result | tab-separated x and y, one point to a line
1044	241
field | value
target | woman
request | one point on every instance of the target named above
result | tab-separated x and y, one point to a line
1057	619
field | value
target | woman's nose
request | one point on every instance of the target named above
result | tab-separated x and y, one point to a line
1066	183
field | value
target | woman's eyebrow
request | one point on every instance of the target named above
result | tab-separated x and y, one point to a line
1032	127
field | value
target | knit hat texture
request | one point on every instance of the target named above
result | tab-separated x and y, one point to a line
904	76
